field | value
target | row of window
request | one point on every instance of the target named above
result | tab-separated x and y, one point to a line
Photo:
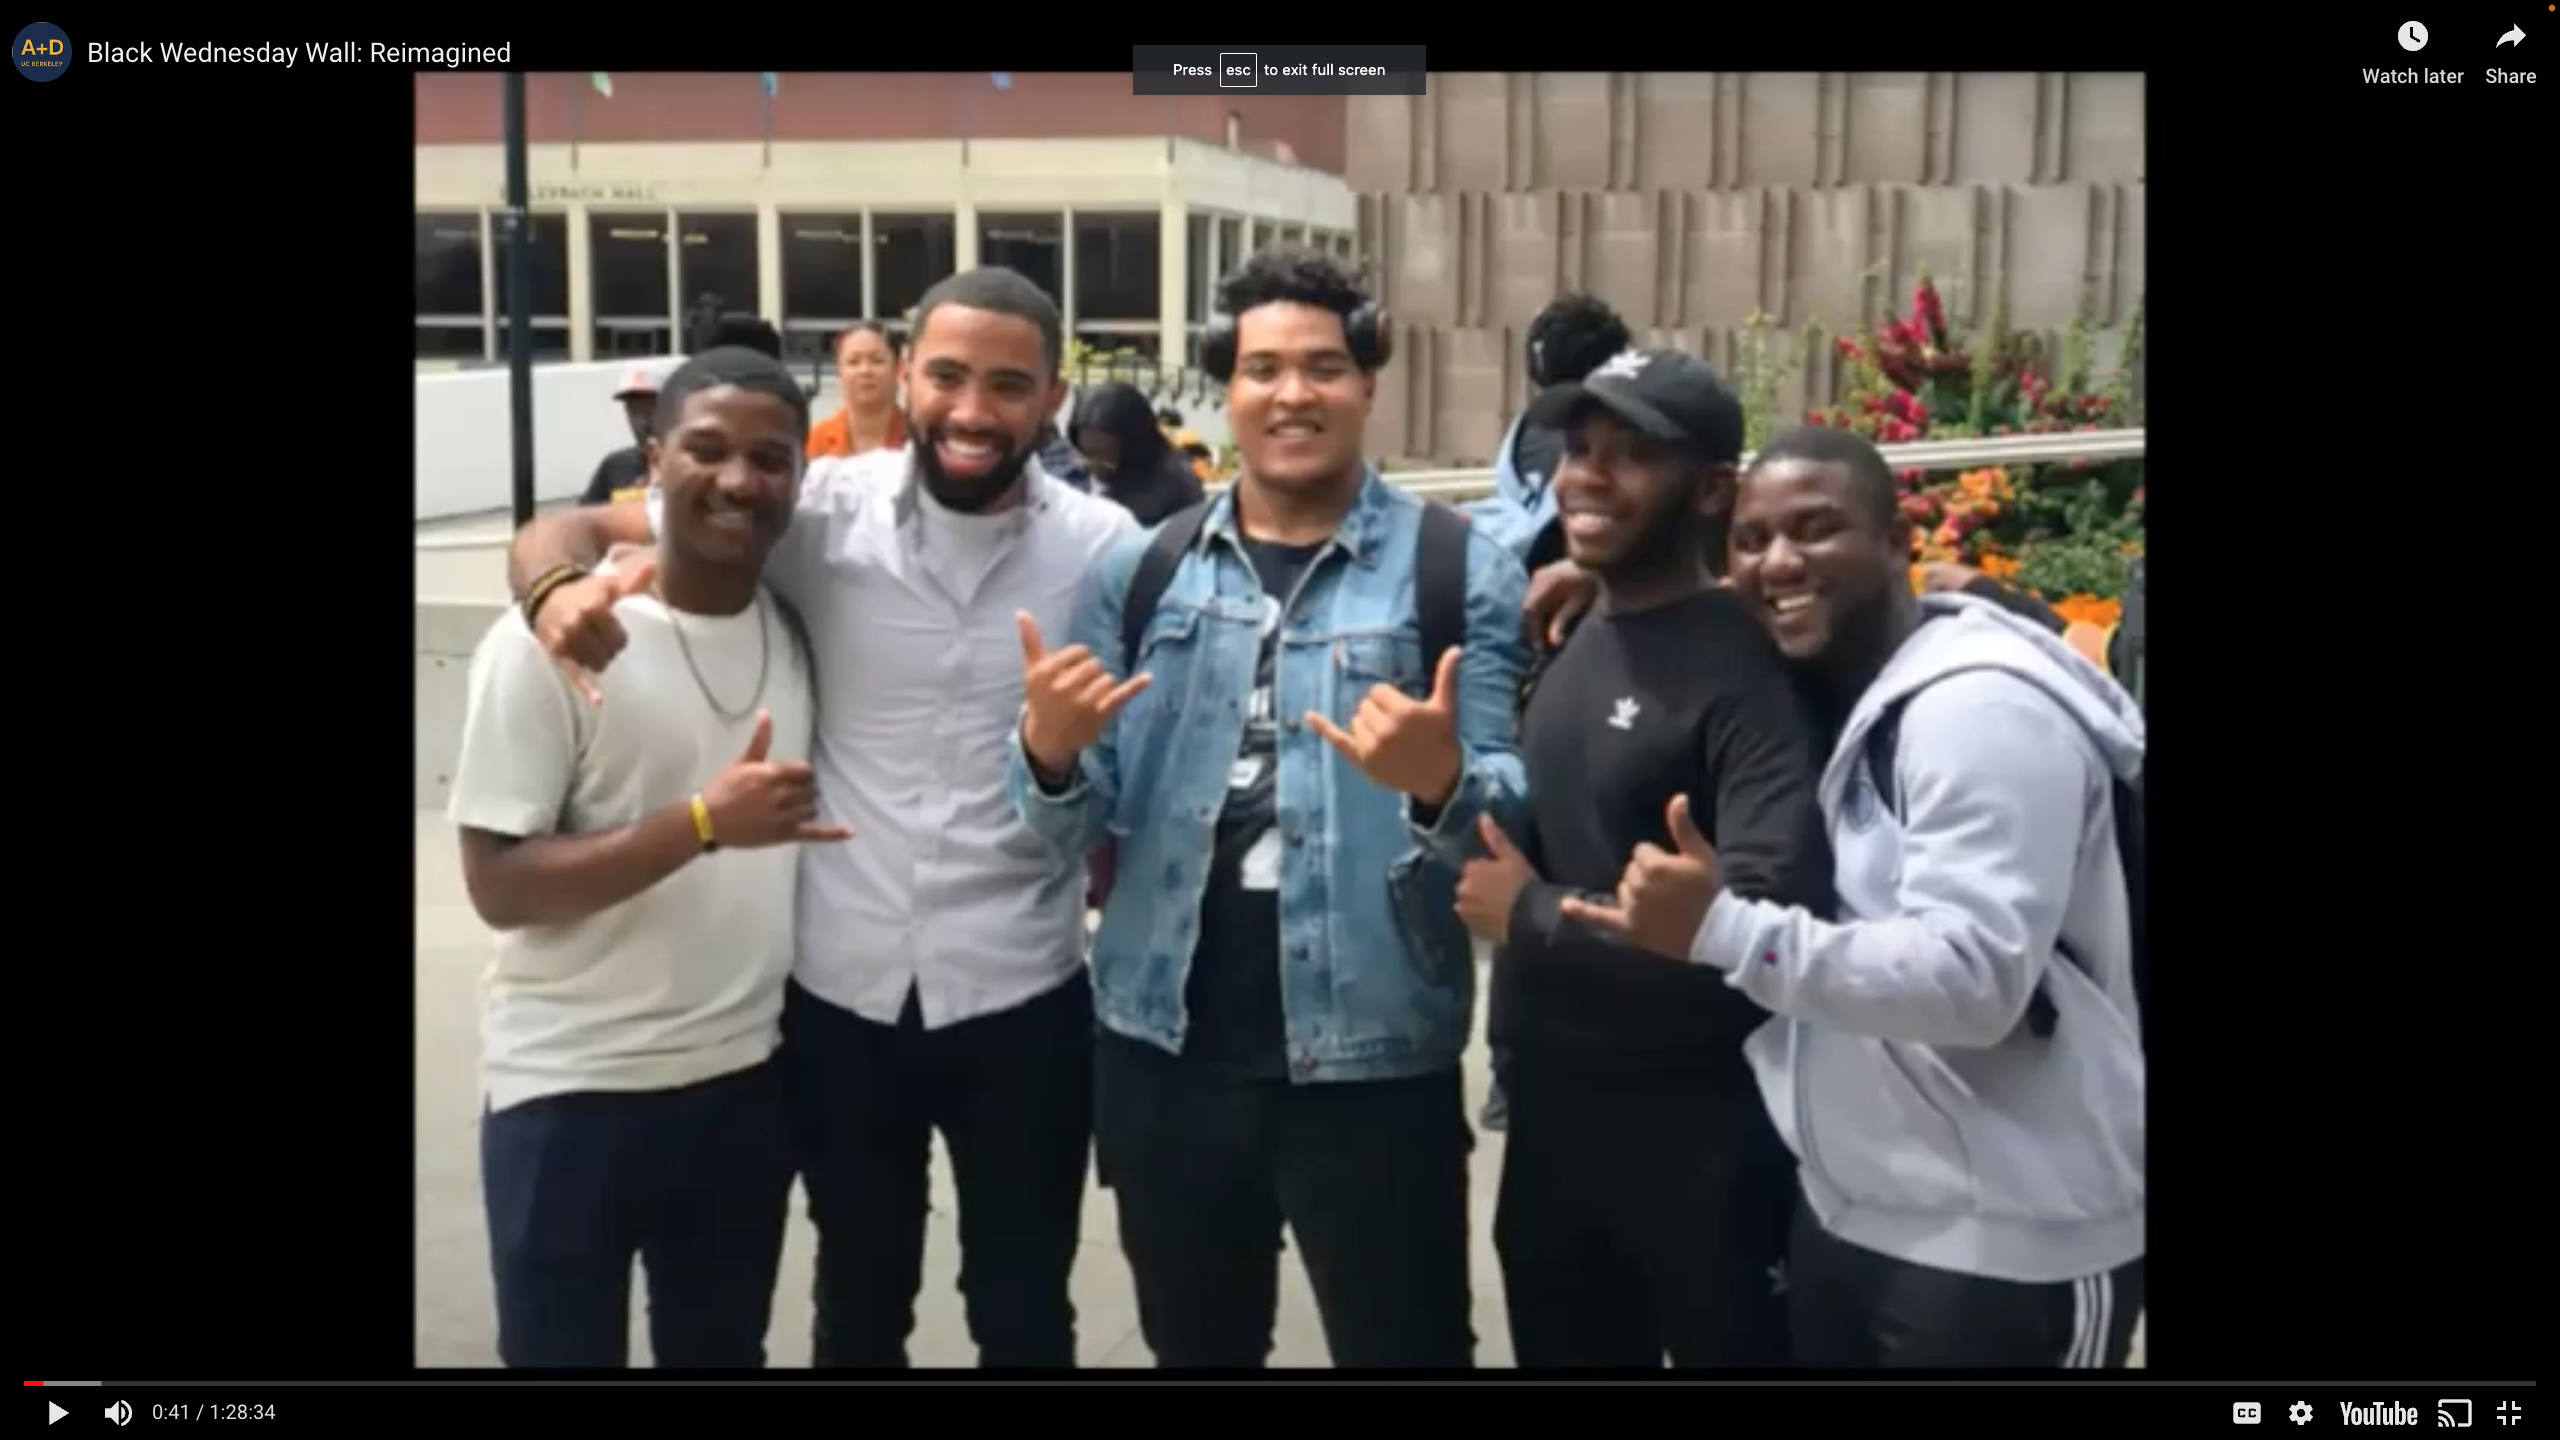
647	266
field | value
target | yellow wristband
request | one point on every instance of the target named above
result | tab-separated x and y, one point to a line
702	824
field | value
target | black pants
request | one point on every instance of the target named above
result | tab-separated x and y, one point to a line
1853	1309
1637	1223
695	1182
1012	1094
1371	1176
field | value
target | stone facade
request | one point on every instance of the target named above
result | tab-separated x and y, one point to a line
1690	200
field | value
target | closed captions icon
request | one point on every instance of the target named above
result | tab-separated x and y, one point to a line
2244	1412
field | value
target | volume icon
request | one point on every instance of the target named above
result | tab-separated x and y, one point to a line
121	1413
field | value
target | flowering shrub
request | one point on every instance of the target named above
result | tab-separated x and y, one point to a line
2063	531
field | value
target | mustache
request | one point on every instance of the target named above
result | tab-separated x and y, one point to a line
971	493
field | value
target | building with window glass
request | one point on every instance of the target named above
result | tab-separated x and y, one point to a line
838	197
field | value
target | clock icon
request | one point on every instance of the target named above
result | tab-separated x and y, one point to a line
2413	36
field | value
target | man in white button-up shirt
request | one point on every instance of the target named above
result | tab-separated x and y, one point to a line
939	982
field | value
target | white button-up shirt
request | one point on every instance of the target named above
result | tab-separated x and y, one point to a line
910	613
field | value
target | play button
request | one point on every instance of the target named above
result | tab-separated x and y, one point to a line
53	1412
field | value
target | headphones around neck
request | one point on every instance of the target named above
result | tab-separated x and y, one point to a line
1372	345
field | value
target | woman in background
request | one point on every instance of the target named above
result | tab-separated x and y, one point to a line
1117	433
867	377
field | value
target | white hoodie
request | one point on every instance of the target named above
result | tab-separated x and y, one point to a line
1932	1124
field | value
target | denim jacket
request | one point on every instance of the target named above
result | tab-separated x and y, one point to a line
1378	974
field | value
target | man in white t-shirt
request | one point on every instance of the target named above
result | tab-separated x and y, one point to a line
939	985
637	857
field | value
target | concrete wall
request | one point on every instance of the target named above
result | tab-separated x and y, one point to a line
447	632
1691	200
465	462
827	108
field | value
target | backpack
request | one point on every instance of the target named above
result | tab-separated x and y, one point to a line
1439	602
2130	646
1886	734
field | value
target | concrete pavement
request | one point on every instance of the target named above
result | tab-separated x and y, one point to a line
454	1319
455	1326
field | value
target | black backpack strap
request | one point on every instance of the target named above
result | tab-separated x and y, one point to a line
1440	583
2136	891
1163	556
2128	652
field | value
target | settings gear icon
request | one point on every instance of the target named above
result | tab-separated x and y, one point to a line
2300	1414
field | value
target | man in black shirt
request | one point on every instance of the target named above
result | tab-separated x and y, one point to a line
624	474
1645	1195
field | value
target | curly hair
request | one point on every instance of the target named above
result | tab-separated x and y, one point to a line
1292	275
1572	337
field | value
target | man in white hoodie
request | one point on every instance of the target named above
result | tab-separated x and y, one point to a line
1957	1063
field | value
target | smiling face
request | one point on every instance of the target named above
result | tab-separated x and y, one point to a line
730	471
980	384
1810	553
1299	402
1629	501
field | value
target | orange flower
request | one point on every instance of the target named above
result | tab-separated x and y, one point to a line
1985	482
1998	566
2089	609
1919	579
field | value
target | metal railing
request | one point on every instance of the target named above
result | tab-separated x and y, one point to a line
1923	455
1469	484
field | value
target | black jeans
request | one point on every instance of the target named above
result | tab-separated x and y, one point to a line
1638	1222
1371	1176
1853	1309
695	1182
1012	1094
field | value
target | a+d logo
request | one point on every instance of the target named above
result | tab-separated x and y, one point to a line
42	52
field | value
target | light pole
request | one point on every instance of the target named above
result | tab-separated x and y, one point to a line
519	243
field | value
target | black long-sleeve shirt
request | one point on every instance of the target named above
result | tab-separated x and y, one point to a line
1689	698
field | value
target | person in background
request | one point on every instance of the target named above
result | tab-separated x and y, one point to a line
624	474
1059	459
1285	1000
1126	448
1567	341
939	984
702	323
638	859
747	332
1958	1062
1194	451
866	357
1645	1195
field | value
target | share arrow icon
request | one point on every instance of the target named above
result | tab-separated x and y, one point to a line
2512	37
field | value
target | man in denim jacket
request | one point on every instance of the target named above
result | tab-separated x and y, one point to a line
1283	985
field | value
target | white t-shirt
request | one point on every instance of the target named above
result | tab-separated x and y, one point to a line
682	983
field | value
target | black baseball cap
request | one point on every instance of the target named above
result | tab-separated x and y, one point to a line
1668	394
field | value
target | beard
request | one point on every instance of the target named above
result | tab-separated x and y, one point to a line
967	494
